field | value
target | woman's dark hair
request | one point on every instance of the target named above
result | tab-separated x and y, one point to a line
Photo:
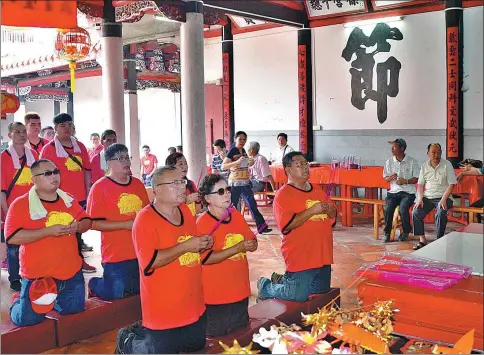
239	133
172	159
219	143
207	185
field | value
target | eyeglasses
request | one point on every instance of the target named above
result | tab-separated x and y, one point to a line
300	165
121	159
174	182
221	191
49	173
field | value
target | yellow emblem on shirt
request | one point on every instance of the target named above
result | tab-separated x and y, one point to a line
129	204
317	217
232	240
192	208
55	218
25	177
71	165
188	259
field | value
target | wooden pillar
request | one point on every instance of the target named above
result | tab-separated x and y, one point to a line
305	90
455	70
228	84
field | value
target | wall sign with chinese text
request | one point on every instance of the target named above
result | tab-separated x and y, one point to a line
452	92
387	4
37	13
362	68
303	102
318	9
226	99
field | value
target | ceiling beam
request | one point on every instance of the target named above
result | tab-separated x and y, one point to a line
263	11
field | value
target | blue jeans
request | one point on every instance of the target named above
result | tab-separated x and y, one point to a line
246	193
13	262
117	279
70	299
297	286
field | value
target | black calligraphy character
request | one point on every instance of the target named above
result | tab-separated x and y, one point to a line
452	73
353	2
362	68
452	51
452	38
302	88
318	4
338	3
452	148
452	85
453	135
452	98
302	75
302	123
249	21
301	111
302	99
453	123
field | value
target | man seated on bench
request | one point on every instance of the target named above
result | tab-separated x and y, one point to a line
168	252
113	203
438	177
44	222
304	214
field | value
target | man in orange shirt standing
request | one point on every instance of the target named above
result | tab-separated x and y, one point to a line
16	181
99	164
113	204
71	158
96	146
168	251
43	222
304	214
33	125
149	163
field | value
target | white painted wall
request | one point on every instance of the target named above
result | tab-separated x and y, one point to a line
212	59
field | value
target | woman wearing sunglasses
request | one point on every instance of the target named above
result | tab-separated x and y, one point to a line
193	202
225	271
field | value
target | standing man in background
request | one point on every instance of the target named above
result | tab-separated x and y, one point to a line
149	163
33	125
284	148
47	133
96	146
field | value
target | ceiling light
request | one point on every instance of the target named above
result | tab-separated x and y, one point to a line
372	21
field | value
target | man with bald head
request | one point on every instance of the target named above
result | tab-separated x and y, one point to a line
168	249
44	223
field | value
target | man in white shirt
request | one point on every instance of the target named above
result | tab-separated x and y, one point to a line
284	148
438	177
401	172
261	176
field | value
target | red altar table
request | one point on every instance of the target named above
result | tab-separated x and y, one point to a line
370	178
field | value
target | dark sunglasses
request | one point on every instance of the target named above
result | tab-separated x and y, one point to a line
221	191
49	173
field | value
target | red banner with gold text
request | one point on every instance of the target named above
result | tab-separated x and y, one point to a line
226	99
303	102
39	13
452	92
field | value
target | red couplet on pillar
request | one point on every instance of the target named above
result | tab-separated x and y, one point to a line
226	99
303	102
452	92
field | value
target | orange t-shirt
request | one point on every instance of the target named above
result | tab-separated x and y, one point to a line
24	182
115	202
310	245
228	281
172	295
57	257
38	147
96	171
72	175
148	163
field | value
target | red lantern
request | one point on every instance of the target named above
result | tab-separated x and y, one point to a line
10	104
73	45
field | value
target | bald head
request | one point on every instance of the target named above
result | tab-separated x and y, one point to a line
15	126
45	176
41	165
162	175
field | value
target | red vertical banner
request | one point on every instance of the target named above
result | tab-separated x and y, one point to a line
452	92
226	99
34	13
303	102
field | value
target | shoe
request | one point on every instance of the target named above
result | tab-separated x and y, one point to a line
386	238
85	247
88	268
266	230
259	285
419	245
403	237
15	285
276	278
123	336
4	265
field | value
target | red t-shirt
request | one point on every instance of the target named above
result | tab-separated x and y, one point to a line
38	147
92	152
148	163
191	189
308	246
228	281
96	171
111	201
24	182
72	175
57	257
172	295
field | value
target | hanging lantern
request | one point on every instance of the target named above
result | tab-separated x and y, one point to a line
10	104
73	45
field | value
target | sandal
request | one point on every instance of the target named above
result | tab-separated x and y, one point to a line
419	245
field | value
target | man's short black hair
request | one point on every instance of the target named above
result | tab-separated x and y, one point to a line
287	160
114	149
145	146
219	143
431	144
31	116
11	125
172	159
238	133
207	185
179	148
94	135
171	150
37	163
62	118
283	135
42	131
106	133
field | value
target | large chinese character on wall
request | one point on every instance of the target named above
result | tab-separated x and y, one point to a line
363	67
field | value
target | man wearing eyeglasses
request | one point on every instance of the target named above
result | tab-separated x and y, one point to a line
168	249
99	163
113	204
304	214
72	159
17	160
43	222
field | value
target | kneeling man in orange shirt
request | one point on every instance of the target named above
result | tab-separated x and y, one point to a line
168	251
304	214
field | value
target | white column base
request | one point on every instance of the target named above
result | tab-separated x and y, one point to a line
132	131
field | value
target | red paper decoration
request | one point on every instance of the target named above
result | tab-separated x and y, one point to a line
10	104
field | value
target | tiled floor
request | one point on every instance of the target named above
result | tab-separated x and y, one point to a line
353	248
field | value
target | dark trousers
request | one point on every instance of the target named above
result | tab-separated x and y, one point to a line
185	339
79	235
480	204
118	278
225	318
246	193
404	200
13	262
420	213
